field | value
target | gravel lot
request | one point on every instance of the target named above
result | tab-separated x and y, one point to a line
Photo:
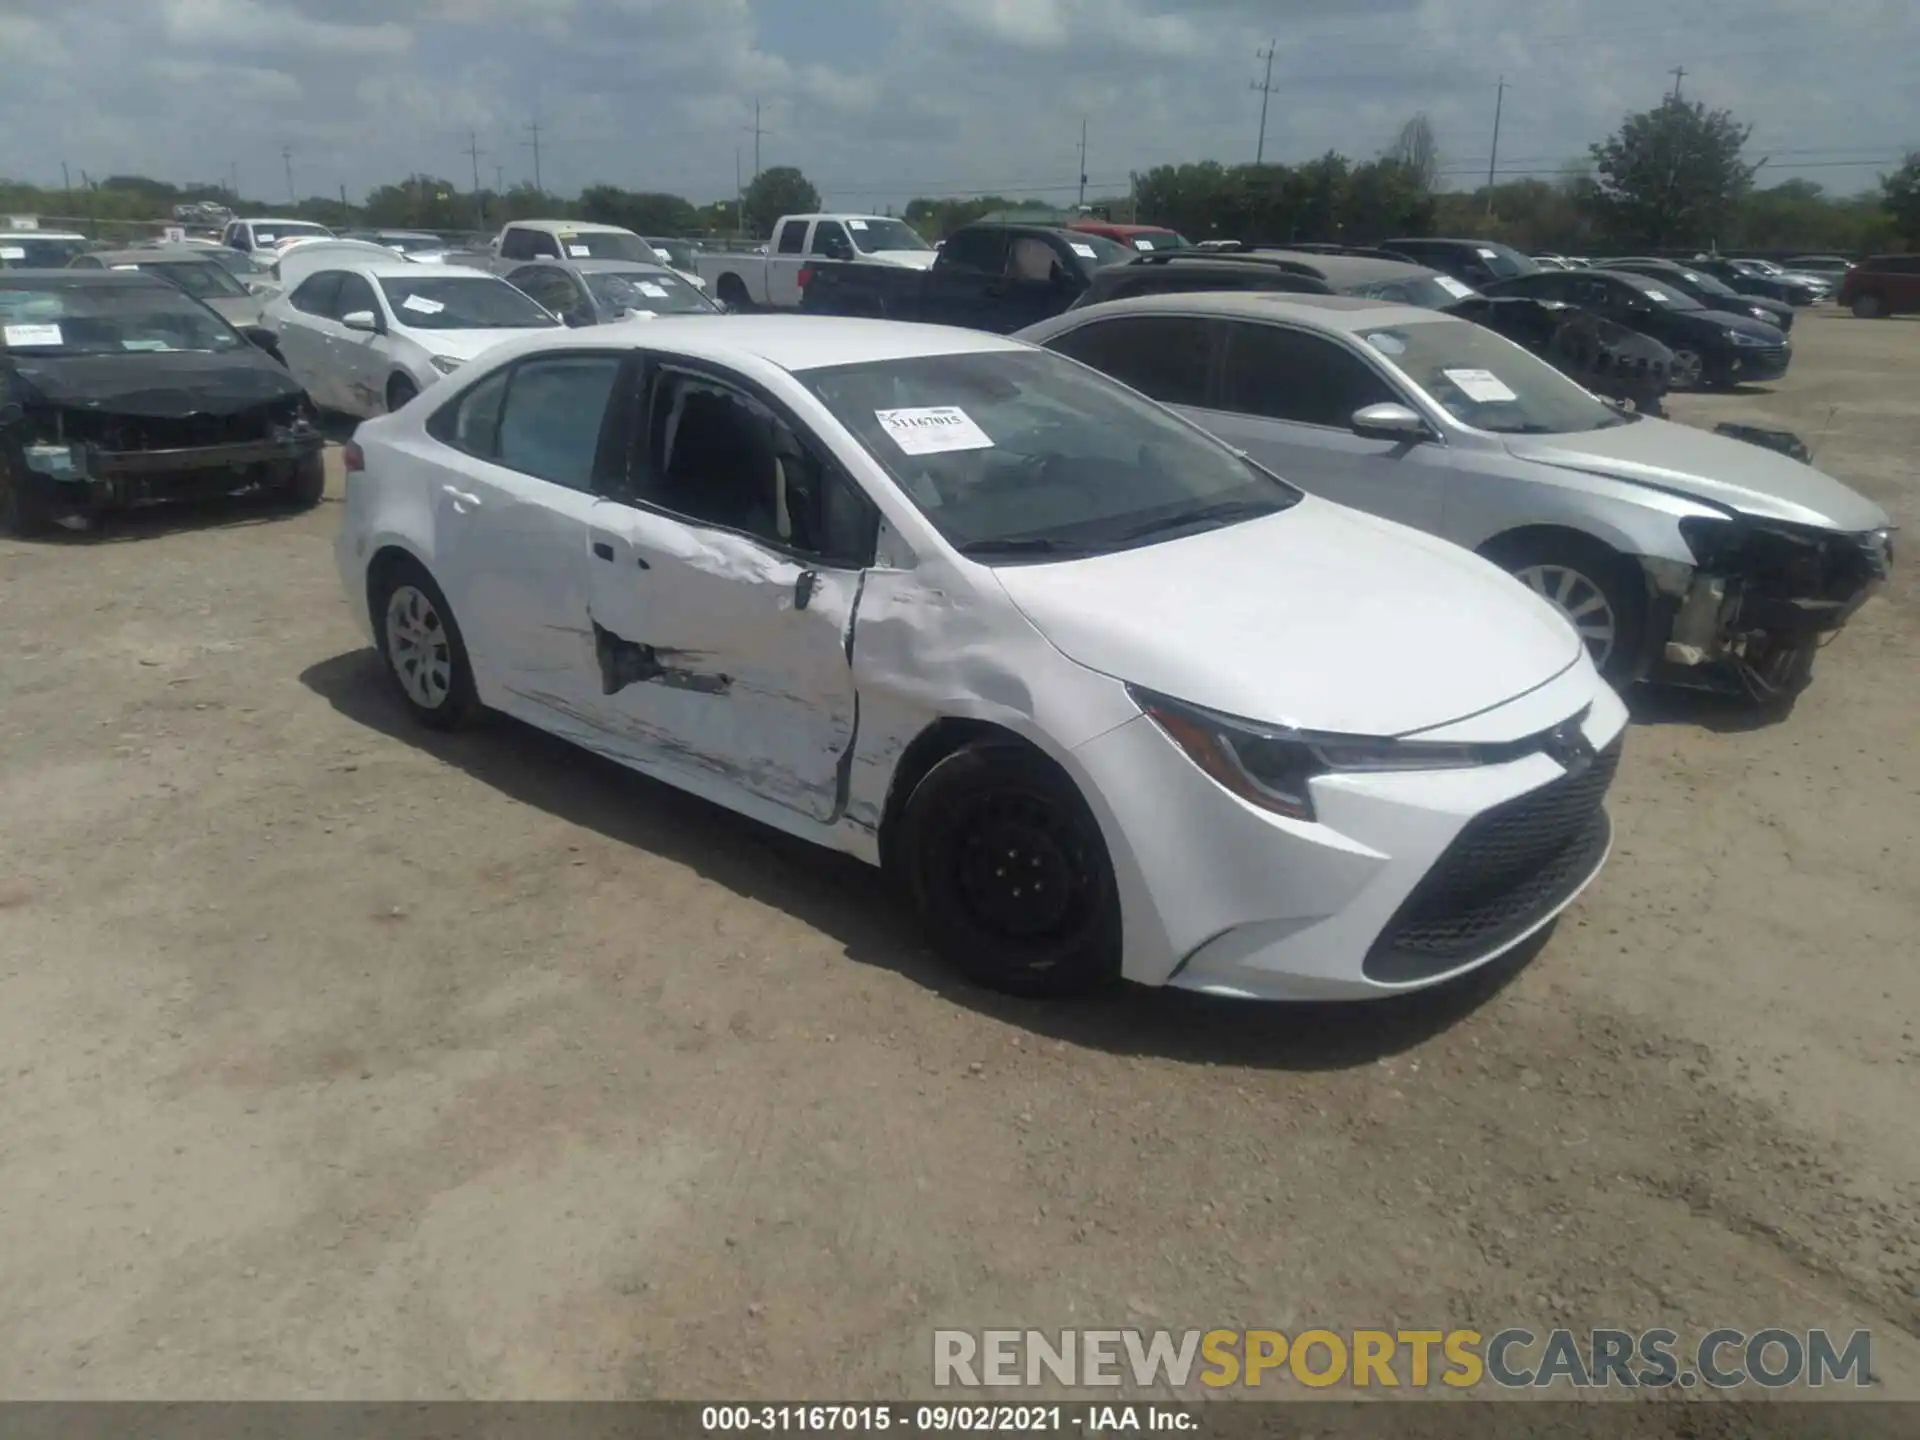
340	1059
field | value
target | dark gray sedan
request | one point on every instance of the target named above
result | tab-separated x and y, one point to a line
593	292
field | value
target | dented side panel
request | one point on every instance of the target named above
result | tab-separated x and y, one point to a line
722	654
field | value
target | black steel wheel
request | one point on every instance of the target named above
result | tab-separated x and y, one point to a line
1010	874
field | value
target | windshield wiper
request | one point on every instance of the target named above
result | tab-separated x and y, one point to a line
1223	511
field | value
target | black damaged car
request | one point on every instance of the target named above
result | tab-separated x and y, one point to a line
118	390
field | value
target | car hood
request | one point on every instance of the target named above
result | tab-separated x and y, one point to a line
154	383
1728	319
463	344
1730	474
1317	617
906	259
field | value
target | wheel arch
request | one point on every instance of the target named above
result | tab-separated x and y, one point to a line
387	558
935	742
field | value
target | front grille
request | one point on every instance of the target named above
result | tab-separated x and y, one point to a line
187	432
1764	355
1504	870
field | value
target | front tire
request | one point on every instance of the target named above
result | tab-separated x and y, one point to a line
421	647
1868	307
23	513
1689	370
307	487
1010	874
1598	589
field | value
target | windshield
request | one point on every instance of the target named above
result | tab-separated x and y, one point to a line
1025	455
1709	284
1487	382
31	252
680	253
1665	296
1430	292
1155	240
604	245
83	319
238	262
870	236
201	279
1105	252
273	231
459	302
649	291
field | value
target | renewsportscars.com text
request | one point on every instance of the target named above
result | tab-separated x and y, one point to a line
1511	1359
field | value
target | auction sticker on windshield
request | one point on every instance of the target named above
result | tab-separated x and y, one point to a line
1453	287
1481	385
933	429
1660	295
1085	252
422	304
580	252
652	291
856	224
13	252
1143	245
33	335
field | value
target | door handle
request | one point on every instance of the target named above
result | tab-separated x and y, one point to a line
803	589
460	497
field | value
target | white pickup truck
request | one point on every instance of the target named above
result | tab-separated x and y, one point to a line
771	278
524	240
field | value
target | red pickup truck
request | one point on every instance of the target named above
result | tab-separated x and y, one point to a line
1147	239
1882	285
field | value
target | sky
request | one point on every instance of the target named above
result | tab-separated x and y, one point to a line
881	100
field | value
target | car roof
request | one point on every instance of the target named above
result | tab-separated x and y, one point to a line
1122	229
397	269
1351	269
569	227
794	343
596	267
274	220
150	255
41	235
84	277
1345	313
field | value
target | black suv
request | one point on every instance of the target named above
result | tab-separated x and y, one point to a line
1711	292
1710	347
1478	262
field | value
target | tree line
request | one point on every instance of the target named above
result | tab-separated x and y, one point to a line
1673	177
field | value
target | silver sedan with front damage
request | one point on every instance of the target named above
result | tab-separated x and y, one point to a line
1678	555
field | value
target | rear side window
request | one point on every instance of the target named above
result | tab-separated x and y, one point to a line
1166	357
356	293
793	237
317	294
472	423
1286	374
976	250
550	424
516	245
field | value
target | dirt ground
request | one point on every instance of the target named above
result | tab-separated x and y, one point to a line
341	1059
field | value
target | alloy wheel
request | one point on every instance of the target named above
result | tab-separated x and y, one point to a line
418	647
1688	368
1584	604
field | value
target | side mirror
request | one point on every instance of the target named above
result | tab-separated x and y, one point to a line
1390	422
263	337
361	320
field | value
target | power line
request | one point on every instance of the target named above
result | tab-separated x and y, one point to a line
1265	87
534	145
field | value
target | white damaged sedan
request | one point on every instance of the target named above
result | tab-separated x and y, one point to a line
1107	698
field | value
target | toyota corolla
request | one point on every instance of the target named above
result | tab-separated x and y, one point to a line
1106	697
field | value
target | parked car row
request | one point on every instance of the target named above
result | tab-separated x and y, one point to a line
1166	640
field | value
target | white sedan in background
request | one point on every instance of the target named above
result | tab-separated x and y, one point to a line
364	339
1106	697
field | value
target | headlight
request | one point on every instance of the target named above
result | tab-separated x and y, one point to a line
57	462
1741	337
446	364
1270	765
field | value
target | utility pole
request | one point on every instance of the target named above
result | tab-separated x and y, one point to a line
739	196
286	155
1083	164
534	145
474	152
499	179
1679	73
233	180
1265	87
66	186
755	131
1493	155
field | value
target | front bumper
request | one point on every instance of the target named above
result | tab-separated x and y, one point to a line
1404	880
1744	363
100	479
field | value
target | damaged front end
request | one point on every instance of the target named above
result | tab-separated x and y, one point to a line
76	462
1763	597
